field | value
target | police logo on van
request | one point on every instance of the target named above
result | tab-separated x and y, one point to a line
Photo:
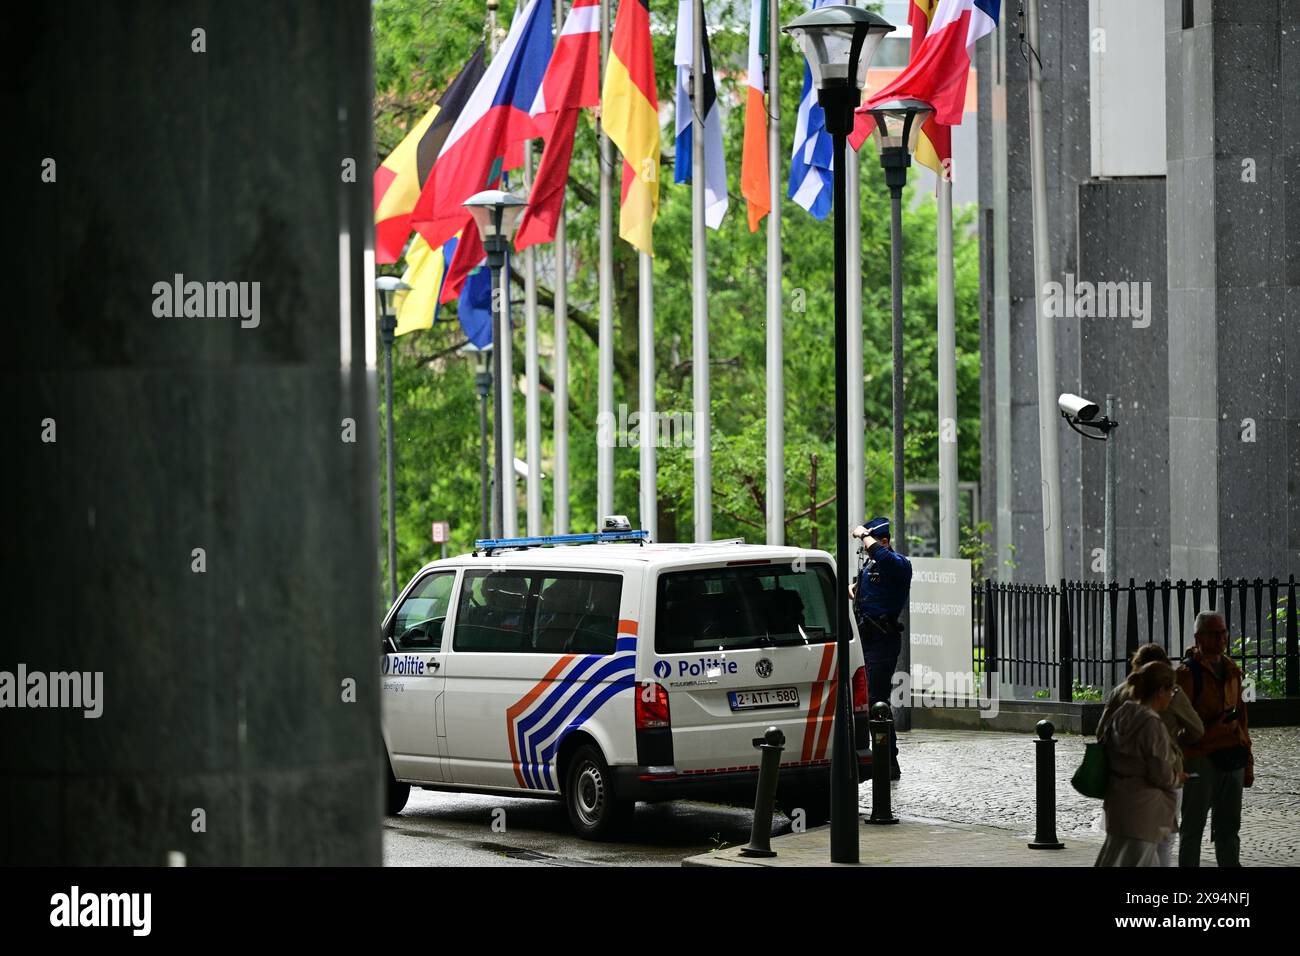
663	669
763	668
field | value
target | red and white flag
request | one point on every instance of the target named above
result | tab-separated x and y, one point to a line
572	81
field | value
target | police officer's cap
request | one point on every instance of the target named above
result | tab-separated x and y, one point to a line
878	527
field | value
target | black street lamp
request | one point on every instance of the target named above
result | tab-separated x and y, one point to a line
898	124
838	42
496	213
388	287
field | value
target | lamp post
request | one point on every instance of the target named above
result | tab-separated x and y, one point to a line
388	287
483	383
1079	413
898	124
838	42
496	213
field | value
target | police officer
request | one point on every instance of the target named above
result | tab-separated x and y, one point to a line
879	597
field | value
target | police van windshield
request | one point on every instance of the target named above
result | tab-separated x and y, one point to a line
750	606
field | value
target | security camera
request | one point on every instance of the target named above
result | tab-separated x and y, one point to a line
1072	406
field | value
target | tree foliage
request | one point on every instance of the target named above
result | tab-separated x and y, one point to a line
419	46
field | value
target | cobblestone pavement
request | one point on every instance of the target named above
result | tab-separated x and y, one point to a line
978	777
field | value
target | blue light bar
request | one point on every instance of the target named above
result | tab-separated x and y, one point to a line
496	544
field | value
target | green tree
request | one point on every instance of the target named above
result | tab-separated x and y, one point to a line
419	46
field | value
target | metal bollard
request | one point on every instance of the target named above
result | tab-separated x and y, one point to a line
881	757
1045	783
760	836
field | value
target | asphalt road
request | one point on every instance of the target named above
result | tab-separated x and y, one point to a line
457	829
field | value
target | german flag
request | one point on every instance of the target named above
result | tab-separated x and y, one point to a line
399	177
630	116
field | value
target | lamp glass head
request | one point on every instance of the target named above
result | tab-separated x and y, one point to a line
838	42
496	213
899	122
389	287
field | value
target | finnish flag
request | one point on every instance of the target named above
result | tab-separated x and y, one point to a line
811	174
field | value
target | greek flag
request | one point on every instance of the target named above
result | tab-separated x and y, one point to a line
811	176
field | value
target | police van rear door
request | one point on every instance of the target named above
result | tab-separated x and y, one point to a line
739	647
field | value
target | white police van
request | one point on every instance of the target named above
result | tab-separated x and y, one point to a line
616	672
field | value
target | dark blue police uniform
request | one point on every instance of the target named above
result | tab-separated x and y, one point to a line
883	589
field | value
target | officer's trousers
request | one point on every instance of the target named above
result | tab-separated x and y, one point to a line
880	681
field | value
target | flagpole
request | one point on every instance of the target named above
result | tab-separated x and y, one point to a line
649	431
700	290
499	468
857	458
605	338
560	396
509	483
532	398
1049	461
775	344
948	530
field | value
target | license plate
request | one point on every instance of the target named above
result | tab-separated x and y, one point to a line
759	699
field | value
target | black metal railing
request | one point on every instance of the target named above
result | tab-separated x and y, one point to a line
1029	636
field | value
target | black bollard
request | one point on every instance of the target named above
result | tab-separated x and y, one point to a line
1045	784
882	719
760	836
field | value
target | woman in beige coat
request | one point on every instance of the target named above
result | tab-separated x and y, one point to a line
1140	798
1181	721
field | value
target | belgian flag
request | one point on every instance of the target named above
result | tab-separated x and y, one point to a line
399	177
630	116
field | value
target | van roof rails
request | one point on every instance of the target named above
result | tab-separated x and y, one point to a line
490	545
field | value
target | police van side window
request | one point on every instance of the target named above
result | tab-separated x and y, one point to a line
418	623
577	614
538	612
493	611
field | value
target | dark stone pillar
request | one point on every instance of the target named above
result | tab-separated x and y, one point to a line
1233	80
223	687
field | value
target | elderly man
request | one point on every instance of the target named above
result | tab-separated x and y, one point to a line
1220	763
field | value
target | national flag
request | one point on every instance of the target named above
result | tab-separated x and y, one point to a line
495	117
715	165
944	33
755	184
426	269
630	116
812	177
572	82
399	177
474	307
469	253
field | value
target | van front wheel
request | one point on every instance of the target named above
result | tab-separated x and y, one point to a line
594	810
395	794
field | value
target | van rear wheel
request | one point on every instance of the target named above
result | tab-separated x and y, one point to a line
594	809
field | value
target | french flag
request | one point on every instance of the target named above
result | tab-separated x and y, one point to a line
940	65
496	117
572	82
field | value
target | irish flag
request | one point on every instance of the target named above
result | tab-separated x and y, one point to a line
754	183
944	33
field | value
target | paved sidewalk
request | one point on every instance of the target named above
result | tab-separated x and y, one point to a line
967	798
914	842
